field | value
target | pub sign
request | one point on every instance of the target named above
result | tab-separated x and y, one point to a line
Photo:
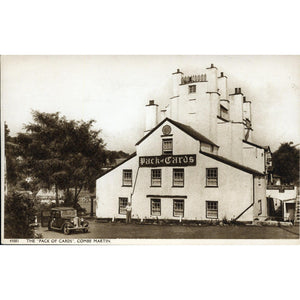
168	160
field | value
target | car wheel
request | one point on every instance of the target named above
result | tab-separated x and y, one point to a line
66	229
85	230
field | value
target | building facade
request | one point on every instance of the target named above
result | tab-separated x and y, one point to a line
196	160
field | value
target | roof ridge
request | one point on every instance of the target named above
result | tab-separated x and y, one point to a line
186	128
196	131
232	163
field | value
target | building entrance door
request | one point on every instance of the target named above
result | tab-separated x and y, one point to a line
290	211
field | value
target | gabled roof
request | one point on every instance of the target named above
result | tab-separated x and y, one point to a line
185	128
119	164
232	163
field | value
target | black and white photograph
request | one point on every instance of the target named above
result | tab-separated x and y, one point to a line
147	149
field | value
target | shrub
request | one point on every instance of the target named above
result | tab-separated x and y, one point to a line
19	213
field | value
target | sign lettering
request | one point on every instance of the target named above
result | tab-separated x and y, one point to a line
168	160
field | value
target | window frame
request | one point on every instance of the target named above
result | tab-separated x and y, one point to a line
173	181
207	179
193	88
167	152
217	209
178	200
152	200
152	171
124	208
123	177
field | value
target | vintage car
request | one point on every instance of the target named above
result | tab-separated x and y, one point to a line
66	220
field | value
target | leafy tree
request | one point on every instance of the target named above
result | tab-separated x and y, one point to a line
286	163
113	155
19	213
64	153
11	149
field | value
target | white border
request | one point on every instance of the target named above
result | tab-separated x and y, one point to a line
156	27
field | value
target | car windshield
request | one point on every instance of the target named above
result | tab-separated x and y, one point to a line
70	213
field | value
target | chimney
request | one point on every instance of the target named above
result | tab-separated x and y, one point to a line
212	79
247	110
247	119
163	114
176	82
151	115
236	105
222	85
214	106
237	126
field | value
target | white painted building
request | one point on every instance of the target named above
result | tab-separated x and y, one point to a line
196	161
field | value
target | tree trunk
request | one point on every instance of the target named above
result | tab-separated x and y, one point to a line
68	199
56	195
77	194
92	206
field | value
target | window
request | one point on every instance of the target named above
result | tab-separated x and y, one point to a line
212	177
122	205
155	207
259	207
192	88
127	177
178	208
167	146
212	209
156	177
178	177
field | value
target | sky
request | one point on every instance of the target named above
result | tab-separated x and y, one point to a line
113	90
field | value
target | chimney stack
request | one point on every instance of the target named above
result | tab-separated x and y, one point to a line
236	105
246	110
163	114
237	126
212	86
151	116
223	90
176	82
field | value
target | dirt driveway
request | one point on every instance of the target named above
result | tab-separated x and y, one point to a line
135	231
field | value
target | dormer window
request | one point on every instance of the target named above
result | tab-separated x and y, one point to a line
192	89
167	146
